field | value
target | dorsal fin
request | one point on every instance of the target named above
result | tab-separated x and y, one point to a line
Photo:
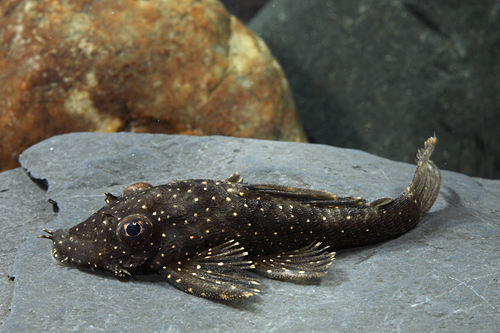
312	197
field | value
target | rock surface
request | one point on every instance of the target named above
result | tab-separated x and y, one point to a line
381	75
442	275
179	66
23	210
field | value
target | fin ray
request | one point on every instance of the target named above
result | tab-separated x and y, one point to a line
218	272
234	178
426	182
306	263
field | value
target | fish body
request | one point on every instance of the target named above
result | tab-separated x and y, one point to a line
202	235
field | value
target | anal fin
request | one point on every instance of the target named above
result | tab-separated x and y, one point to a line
306	263
217	273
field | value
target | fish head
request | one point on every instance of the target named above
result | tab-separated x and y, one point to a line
118	237
106	242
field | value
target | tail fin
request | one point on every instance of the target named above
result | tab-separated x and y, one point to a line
427	179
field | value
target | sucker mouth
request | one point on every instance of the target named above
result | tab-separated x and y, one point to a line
49	236
56	255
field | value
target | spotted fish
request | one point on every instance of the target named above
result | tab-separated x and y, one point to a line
203	235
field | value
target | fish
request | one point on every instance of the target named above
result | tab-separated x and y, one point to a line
204	236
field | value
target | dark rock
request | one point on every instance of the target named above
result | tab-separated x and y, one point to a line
182	66
244	9
381	75
443	274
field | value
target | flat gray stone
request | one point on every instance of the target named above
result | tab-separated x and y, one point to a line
23	210
443	275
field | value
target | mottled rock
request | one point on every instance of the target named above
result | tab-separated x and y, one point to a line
381	75
179	66
441	275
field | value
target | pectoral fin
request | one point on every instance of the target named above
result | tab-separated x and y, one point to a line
306	263
218	273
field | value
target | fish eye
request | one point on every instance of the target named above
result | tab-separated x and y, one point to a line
134	229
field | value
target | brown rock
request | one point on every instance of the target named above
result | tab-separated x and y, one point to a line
179	66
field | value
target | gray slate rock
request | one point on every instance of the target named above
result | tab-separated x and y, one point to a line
23	210
381	75
444	274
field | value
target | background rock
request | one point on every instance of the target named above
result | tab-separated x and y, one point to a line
382	75
441	275
180	66
244	9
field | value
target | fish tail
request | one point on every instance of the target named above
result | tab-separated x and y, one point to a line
427	179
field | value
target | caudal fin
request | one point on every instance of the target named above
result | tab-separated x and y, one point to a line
427	179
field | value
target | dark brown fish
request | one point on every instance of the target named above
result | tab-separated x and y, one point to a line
202	235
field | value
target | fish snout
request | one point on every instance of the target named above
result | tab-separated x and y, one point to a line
57	238
68	249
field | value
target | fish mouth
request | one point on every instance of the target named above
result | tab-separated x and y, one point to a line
59	257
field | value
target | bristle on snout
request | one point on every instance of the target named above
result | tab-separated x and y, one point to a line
49	236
